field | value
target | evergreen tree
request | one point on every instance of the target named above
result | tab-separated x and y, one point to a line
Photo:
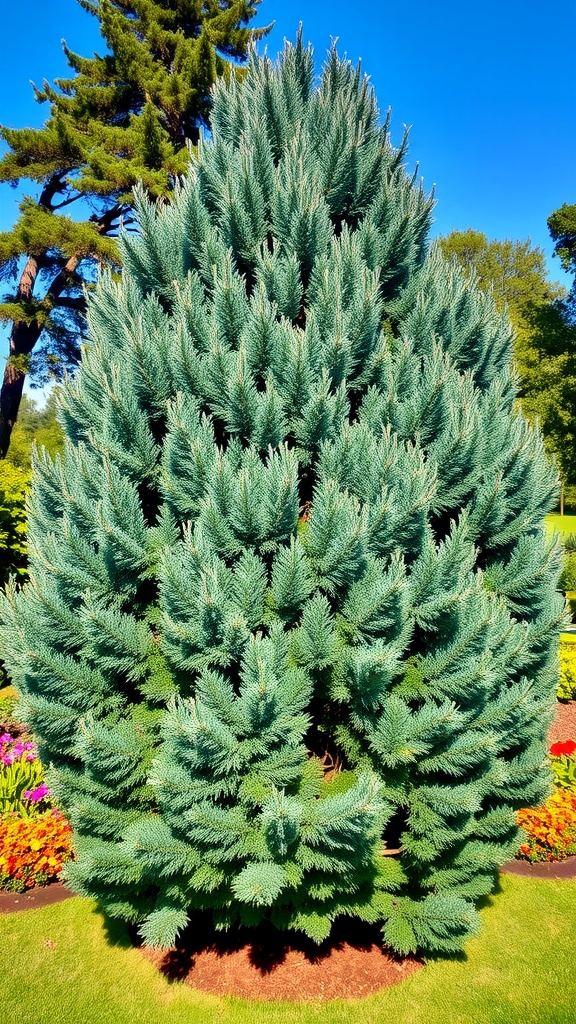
291	600
124	117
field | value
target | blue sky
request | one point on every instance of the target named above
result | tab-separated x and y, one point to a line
487	90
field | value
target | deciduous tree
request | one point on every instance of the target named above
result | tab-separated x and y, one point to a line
562	227
544	342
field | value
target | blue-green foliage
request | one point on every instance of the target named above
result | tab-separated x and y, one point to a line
297	525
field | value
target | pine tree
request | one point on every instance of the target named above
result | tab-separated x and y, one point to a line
124	117
291	604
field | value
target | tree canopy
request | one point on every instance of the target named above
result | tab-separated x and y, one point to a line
562	227
124	116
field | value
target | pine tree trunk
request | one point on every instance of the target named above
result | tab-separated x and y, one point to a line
23	338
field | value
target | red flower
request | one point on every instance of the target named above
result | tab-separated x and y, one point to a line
568	747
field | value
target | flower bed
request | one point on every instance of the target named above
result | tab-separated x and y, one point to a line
22	787
551	829
34	850
35	838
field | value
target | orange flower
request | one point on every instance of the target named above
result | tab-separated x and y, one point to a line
551	829
33	849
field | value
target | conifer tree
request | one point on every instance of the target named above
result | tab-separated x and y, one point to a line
291	607
125	116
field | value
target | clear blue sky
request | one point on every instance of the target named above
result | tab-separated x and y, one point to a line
487	89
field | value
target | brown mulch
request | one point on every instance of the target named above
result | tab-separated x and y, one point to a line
564	725
33	899
266	964
555	869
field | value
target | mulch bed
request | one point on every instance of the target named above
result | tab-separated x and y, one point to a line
33	899
564	725
266	964
554	869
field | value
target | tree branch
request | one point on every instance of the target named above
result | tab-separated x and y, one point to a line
105	222
53	186
69	302
66	202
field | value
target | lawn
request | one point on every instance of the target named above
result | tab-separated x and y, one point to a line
61	965
564	524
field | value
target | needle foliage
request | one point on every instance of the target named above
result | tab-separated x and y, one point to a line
290	638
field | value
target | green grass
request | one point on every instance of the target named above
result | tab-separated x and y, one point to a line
564	524
65	965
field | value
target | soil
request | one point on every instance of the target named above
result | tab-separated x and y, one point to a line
555	869
266	964
33	899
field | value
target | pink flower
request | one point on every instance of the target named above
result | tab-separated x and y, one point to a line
5	738
37	794
30	757
18	749
7	759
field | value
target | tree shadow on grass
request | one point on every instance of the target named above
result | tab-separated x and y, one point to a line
117	933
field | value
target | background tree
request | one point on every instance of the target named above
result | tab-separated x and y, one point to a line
545	342
125	116
562	227
37	425
291	597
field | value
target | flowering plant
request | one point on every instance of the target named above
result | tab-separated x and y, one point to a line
22	787
33	850
563	764
550	829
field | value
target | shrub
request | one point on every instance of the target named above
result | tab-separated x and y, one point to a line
551	829
569	543
567	686
33	851
14	483
568	577
8	700
296	530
